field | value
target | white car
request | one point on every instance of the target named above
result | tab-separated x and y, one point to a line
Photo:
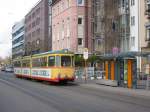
9	69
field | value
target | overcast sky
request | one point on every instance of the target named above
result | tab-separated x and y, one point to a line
11	11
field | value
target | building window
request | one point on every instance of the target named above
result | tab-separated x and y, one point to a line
33	24
58	10
68	42
58	31
37	21
132	41
62	7
68	27
63	30
38	31
79	41
33	14
132	20
68	3
80	20
123	3
80	2
148	35
53	12
33	34
132	2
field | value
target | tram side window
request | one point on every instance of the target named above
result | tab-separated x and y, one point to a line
17	64
43	61
57	60
26	63
65	61
35	62
51	61
73	61
39	62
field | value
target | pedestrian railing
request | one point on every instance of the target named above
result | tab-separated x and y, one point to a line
90	73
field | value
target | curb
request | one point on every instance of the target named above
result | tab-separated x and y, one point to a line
119	90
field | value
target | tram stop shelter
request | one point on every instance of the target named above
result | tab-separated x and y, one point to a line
123	67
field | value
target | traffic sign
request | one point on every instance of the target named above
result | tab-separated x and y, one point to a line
85	54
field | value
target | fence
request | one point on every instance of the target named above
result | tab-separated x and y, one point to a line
143	81
91	73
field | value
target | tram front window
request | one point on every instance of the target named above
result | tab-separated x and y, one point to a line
65	61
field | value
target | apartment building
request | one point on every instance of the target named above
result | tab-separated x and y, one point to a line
105	33
71	25
144	29
145	12
38	28
134	25
124	25
18	39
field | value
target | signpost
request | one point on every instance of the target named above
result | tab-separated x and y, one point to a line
85	56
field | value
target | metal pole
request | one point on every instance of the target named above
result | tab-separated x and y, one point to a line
85	71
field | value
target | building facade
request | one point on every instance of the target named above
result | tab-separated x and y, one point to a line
38	28
116	25
134	25
71	25
145	35
105	33
145	44
124	25
18	49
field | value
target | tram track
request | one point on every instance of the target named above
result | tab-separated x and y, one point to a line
51	99
75	98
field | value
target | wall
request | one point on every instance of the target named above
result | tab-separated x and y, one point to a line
65	27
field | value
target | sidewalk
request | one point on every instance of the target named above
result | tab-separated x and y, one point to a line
117	90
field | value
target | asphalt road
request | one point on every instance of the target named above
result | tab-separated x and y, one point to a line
20	95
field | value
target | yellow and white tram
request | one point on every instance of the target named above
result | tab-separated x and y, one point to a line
54	66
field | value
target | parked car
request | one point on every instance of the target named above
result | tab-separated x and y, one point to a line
3	68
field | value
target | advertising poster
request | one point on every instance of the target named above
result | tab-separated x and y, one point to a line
45	73
125	71
121	70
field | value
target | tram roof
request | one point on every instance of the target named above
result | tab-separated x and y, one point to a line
65	51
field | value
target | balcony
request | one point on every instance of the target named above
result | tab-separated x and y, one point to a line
147	1
123	10
147	8
18	44
147	25
147	12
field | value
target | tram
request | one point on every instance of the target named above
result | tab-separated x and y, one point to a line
53	66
